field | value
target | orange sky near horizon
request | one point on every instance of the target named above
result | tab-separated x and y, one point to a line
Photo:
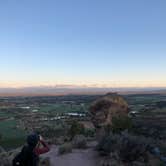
77	84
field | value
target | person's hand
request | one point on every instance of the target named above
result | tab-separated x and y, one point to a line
41	138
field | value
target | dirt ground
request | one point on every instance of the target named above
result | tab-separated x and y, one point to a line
87	157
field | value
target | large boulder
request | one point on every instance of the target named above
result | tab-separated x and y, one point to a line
109	106
12	154
1	150
7	157
4	160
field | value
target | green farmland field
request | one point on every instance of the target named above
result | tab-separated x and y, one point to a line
64	108
11	135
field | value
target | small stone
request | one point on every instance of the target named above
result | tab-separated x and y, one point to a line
153	160
44	162
138	163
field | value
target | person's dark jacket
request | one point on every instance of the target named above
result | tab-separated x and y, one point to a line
28	157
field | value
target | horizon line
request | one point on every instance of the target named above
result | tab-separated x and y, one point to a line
83	87
120	84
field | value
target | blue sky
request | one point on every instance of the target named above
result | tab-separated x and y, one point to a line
119	43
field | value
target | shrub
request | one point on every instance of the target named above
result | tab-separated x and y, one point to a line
76	129
65	148
128	147
89	132
79	141
55	131
108	144
132	148
0	136
121	123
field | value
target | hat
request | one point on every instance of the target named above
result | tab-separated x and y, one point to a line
33	139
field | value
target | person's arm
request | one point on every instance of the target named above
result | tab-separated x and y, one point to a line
41	150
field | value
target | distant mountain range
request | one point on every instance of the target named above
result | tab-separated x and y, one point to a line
67	90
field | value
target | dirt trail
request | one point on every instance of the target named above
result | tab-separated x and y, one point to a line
86	157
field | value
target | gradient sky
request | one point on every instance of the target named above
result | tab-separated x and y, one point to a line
115	43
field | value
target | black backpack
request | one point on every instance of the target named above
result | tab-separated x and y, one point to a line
25	157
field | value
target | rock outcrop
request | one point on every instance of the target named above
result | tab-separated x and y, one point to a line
103	109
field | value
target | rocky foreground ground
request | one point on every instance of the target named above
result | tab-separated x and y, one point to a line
88	156
78	157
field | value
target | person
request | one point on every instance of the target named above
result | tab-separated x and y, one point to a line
29	155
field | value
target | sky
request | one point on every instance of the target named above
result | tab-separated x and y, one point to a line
100	43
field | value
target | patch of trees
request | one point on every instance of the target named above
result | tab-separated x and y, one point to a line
161	104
